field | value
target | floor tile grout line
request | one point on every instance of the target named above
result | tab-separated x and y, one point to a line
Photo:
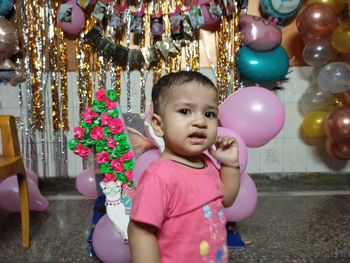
305	193
272	194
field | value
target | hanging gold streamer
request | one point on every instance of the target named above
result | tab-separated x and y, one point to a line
173	62
87	72
223	60
117	74
54	56
63	78
192	55
142	77
236	43
34	62
80	78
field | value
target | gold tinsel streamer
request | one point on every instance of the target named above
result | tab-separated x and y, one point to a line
87	61
192	55
84	70
223	60
81	94
63	78
236	43
54	55
34	60
117	73
142	78
87	72
173	64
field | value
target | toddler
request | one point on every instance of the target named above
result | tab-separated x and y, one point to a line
177	213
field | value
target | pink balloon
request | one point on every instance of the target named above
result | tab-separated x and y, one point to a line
142	162
242	148
86	183
9	196
255	113
258	33
245	202
108	243
70	18
32	175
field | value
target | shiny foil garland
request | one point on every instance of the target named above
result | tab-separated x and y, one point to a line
81	81
146	23
29	142
223	59
236	43
84	68
128	79
114	70
34	63
63	79
53	54
192	55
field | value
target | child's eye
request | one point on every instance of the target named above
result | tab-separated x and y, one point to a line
210	114
184	111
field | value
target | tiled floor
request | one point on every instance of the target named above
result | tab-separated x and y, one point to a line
306	219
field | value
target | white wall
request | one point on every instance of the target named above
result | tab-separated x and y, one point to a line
288	153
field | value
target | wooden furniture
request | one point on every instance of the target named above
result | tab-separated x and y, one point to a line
11	163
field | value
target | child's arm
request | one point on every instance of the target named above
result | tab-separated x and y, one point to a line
143	243
227	153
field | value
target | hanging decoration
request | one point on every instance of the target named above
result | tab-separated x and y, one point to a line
109	37
103	133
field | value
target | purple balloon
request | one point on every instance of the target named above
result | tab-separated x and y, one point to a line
255	113
258	33
242	149
108	243
70	18
9	196
142	162
86	183
32	175
245	202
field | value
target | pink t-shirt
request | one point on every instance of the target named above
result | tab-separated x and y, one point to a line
185	204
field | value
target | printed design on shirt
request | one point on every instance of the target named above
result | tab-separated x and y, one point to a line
221	215
204	249
207	212
214	216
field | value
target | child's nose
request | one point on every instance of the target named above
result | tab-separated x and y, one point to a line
199	120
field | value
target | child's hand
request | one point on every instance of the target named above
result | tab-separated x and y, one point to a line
226	151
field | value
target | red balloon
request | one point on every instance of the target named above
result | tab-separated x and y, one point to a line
338	149
316	21
337	123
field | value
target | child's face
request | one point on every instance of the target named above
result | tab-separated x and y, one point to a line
189	120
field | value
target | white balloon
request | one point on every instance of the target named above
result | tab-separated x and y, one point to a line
334	77
314	99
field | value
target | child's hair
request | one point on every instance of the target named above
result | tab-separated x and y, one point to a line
166	83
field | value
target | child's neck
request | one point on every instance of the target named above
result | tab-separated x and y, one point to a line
195	161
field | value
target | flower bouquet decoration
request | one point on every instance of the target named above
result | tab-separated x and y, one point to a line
102	131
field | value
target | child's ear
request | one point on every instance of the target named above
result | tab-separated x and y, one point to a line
157	125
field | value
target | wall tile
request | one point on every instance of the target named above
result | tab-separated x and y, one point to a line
295	155
271	156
